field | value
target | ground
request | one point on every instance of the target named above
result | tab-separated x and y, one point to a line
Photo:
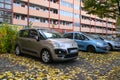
88	66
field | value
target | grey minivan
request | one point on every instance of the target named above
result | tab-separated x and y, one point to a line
45	44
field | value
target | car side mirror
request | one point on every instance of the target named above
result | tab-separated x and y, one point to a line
37	38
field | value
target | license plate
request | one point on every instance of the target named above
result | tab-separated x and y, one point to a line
73	51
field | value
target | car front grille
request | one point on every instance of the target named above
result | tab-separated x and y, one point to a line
71	55
72	49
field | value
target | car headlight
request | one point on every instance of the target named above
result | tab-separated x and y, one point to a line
99	44
58	45
115	43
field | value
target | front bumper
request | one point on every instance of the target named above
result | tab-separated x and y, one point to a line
116	47
63	54
102	49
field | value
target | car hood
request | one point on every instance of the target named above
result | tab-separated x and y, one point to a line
101	41
62	40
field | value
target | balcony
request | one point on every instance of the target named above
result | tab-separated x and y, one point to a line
84	13
76	28
54	26
85	29
19	22
85	21
54	16
66	8
77	20
39	24
93	30
65	27
54	5
38	13
21	10
99	24
99	30
40	2
65	18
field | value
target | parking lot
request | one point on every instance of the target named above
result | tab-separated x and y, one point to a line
88	66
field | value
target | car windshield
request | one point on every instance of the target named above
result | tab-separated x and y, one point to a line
50	33
93	36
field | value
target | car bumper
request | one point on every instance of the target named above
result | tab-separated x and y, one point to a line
116	47
63	55
102	49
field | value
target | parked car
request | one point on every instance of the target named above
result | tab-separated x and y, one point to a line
114	44
45	44
87	42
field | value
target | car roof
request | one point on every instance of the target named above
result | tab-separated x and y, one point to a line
73	32
35	29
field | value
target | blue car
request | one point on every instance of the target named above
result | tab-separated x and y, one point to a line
114	44
87	42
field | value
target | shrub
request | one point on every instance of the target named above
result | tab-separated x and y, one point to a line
7	37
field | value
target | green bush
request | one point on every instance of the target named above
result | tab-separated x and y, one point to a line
7	37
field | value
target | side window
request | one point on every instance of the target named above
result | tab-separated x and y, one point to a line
69	35
33	33
23	33
84	37
78	36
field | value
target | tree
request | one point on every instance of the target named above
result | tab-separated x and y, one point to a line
103	8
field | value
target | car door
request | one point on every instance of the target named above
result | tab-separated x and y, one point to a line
33	43
23	40
81	41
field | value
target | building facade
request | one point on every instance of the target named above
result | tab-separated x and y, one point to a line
62	15
5	11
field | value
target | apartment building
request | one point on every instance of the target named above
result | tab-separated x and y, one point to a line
5	11
61	15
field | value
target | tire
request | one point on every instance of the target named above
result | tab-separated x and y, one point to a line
91	49
110	47
45	56
17	50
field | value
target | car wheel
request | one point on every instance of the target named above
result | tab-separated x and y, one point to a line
110	47
91	49
17	50
46	56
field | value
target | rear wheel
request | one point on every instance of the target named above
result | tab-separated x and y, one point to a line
17	50
46	56
91	49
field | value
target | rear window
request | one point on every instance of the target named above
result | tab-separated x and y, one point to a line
23	33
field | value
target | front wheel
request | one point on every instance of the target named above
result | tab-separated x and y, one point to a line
46	56
90	49
110	47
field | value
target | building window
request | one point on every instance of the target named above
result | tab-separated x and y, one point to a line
1	5
76	7
1	20
65	13
1	13
1	0
7	6
8	1
64	3
17	16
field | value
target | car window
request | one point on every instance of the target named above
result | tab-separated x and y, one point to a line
69	35
23	33
50	33
84	37
33	33
78	36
